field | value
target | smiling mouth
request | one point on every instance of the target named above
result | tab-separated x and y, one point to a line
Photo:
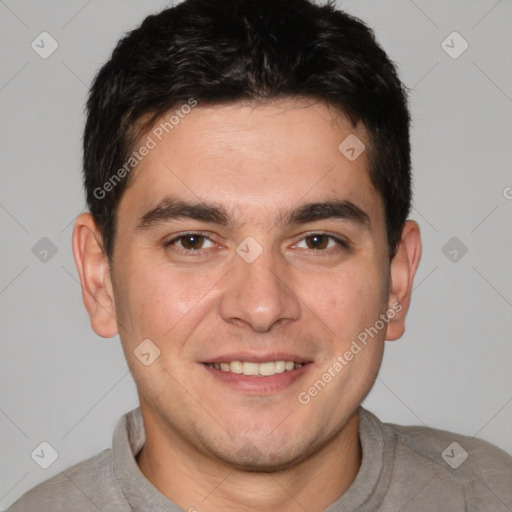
265	369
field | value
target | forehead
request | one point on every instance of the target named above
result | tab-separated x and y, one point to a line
254	158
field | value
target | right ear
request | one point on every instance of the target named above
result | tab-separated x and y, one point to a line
93	268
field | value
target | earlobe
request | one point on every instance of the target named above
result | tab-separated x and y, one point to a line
93	269
402	270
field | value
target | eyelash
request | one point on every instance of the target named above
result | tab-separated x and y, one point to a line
342	244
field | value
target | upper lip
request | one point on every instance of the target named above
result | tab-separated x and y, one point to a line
252	357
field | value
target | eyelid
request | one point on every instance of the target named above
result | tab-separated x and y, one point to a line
179	236
339	240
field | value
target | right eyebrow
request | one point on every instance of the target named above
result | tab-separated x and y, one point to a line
171	209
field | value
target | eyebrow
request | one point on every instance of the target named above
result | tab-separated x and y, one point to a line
173	209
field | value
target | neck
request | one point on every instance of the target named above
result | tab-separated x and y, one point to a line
198	483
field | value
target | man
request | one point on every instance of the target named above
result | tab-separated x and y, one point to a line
247	170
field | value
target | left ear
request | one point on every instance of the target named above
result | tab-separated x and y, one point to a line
402	270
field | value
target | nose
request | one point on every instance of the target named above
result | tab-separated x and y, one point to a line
259	294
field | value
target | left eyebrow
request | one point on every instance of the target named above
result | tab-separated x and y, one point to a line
172	209
337	209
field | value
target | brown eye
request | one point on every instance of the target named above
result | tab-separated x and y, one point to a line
192	242
317	241
322	242
189	242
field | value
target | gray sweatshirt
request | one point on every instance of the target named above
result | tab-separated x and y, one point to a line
415	469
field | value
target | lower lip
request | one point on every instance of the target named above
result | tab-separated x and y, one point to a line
258	385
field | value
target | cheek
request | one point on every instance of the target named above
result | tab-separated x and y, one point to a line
347	300
158	299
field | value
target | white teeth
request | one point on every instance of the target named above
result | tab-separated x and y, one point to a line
250	368
236	367
265	369
280	366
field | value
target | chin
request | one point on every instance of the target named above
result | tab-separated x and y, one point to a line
252	459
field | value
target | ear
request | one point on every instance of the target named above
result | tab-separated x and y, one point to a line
93	268
402	270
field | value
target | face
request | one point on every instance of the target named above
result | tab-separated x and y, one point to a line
248	242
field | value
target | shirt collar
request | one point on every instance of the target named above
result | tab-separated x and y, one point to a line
141	494
364	495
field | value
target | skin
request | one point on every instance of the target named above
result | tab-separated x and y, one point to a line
211	445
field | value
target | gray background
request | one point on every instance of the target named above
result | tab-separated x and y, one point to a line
62	384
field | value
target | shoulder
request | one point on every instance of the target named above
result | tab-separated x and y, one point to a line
452	450
480	471
90	485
